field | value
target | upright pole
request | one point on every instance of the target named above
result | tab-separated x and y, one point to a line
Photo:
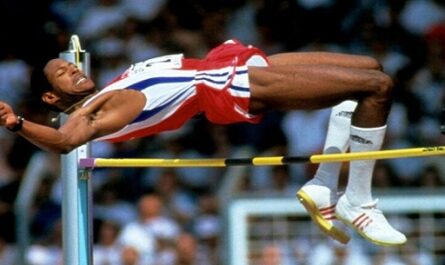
77	192
442	121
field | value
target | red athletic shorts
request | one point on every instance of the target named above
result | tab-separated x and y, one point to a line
222	82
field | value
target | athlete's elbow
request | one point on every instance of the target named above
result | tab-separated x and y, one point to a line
64	147
60	149
55	147
65	150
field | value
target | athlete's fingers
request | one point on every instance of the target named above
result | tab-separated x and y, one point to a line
4	108
2	120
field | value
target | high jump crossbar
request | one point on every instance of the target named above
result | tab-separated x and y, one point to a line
90	163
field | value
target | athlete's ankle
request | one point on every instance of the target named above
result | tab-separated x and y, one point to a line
317	182
327	179
357	199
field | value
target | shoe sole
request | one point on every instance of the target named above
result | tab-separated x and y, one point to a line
377	242
325	226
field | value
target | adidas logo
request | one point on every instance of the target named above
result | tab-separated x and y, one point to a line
345	114
359	139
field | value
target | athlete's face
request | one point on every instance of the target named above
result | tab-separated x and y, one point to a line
66	78
70	85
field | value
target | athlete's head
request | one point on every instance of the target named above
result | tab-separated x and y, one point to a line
68	84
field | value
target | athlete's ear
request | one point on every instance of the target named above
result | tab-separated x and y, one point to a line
50	98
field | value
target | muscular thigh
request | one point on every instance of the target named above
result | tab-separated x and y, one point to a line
288	87
328	58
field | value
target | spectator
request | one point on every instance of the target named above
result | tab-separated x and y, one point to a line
48	251
109	206
178	202
107	251
8	253
137	235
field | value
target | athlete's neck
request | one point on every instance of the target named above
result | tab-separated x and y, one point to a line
78	103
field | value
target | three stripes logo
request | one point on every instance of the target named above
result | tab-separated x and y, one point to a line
328	213
362	221
359	139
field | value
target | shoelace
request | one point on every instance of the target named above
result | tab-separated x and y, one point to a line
371	206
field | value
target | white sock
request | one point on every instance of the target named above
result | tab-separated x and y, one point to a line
337	141
358	189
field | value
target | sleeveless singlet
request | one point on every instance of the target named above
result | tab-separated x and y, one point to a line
177	88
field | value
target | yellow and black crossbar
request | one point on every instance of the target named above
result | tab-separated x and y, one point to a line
261	161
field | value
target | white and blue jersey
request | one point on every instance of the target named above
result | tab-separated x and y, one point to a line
176	89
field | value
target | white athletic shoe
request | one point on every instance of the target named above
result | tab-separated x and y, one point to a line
369	222
319	202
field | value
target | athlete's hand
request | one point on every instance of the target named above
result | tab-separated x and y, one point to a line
7	115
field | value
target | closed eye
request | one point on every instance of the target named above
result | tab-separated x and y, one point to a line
60	73
63	68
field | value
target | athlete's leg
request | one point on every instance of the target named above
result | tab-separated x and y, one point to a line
319	86
294	87
320	194
337	137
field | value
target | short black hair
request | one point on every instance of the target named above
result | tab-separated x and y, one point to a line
39	85
39	82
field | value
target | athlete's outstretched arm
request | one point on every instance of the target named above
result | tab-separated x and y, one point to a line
107	114
75	132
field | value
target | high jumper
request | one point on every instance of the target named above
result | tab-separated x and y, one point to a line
235	83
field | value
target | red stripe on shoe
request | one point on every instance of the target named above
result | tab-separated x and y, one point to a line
329	208
360	225
358	219
331	211
366	224
328	213
328	216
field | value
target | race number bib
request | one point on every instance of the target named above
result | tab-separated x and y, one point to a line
172	61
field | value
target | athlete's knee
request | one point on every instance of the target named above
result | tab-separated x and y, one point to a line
373	63
383	85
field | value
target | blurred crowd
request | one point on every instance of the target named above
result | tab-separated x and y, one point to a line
166	216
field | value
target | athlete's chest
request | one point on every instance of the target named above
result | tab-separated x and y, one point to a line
117	105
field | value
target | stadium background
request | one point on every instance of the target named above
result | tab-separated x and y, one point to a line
186	224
